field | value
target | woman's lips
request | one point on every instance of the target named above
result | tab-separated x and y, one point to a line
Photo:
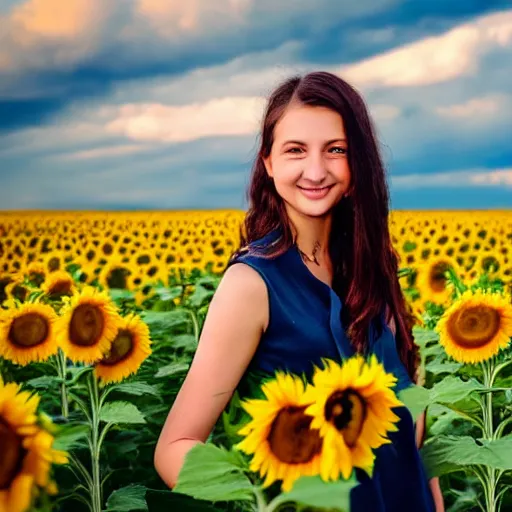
316	193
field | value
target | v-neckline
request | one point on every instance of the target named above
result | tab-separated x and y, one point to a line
296	253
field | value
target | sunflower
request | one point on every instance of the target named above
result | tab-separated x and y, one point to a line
279	434
87	325
17	289
58	283
27	451
27	333
36	272
352	409
115	274
476	326
128	351
431	281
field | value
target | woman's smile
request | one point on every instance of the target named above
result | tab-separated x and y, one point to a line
315	192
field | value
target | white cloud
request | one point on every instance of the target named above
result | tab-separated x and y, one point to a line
475	107
435	59
47	34
217	117
463	178
104	152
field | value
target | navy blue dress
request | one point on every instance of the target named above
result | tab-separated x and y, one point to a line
304	327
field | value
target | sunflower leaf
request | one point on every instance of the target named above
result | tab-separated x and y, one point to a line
121	412
422	336
438	368
137	389
199	296
128	499
446	454
452	389
44	382
212	473
312	491
172	369
415	398
68	436
166	321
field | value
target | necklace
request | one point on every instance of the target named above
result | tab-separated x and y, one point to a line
313	258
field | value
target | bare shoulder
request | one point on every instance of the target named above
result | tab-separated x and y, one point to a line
243	288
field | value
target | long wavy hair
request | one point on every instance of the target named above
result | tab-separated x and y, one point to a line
365	263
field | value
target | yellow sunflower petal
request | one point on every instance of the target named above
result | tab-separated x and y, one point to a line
129	349
476	327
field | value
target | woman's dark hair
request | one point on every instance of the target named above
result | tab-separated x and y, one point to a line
364	260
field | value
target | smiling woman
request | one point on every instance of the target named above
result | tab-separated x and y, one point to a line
315	278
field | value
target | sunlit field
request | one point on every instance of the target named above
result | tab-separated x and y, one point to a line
101	314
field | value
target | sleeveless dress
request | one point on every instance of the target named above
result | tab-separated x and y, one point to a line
304	327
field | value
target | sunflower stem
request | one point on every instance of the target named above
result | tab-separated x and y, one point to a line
195	324
261	502
489	480
97	499
61	367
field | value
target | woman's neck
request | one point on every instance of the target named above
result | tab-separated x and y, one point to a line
312	236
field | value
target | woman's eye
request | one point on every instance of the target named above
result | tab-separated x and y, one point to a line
339	150
294	150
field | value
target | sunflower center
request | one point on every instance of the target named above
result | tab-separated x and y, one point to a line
474	327
62	287
12	455
28	330
117	278
346	410
120	349
290	438
86	325
437	278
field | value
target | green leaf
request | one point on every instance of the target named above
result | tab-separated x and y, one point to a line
166	321
137	389
68	435
452	389
199	296
423	336
438	368
214	474
416	399
185	341
120	294
128	499
448	391
312	491
44	382
445	454
121	412
172	369
165	293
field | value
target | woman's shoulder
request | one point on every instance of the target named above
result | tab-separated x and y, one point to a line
258	251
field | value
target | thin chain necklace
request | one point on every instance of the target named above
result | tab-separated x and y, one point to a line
313	258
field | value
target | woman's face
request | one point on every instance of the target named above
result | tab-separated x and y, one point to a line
308	161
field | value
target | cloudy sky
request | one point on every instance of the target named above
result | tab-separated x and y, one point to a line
150	104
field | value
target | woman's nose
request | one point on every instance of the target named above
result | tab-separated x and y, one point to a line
314	168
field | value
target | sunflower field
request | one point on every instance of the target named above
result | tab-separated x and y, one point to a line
100	316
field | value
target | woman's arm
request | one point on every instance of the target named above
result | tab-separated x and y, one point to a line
435	487
237	316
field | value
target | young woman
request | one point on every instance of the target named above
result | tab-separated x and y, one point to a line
316	277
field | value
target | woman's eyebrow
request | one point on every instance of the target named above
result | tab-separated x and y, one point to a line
304	144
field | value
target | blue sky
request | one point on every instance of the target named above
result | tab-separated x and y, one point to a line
155	104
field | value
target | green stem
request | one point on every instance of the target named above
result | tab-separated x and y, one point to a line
195	324
61	365
96	497
489	478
